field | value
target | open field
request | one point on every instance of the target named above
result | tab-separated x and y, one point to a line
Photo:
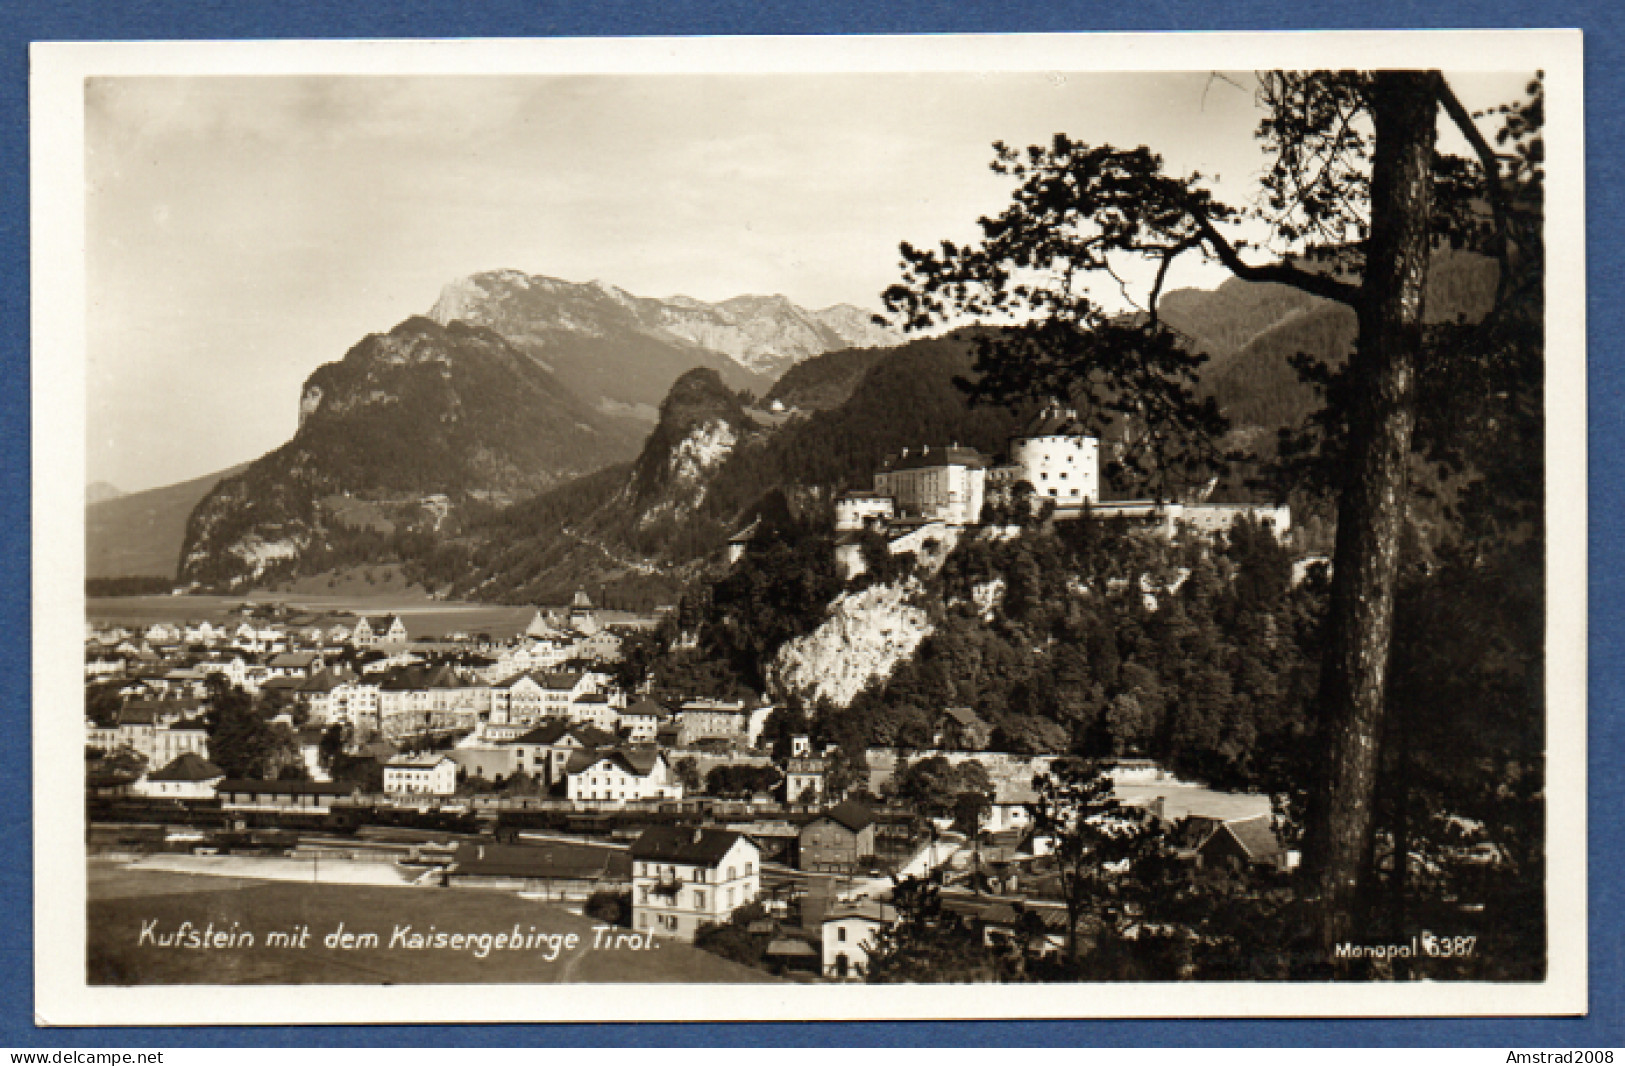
1182	799
124	902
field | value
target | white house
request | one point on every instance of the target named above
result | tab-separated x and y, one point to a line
683	878
526	698
619	775
850	929
348	700
545	751
421	775
378	630
294	664
641	721
190	776
857	509
595	709
158	733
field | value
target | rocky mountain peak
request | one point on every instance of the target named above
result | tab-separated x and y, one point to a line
761	335
701	421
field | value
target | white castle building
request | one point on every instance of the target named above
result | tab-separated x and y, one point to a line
931	493
1056	456
856	509
944	485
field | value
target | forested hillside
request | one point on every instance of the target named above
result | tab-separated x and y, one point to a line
825	381
424	410
625	526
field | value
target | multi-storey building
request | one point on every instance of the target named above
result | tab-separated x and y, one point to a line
946	484
701	720
619	775
683	878
421	775
544	752
154	728
640	723
838	841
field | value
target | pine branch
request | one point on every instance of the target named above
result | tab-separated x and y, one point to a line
1491	164
1322	285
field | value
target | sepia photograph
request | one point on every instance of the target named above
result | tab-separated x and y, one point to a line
1094	523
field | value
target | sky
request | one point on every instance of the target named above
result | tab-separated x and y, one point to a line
241	231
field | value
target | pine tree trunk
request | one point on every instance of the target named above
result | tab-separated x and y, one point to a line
1371	507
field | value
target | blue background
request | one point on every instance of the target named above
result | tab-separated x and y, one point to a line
22	21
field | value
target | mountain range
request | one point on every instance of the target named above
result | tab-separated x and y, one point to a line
508	386
623	352
530	434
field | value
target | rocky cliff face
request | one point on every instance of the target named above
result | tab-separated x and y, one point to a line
623	351
701	423
866	635
424	409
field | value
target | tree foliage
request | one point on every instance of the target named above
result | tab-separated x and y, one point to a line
243	741
1355	198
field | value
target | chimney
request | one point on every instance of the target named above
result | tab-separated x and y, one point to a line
698	834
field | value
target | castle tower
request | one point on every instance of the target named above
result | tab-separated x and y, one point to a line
1058	457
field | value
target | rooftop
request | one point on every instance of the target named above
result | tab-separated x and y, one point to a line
928	457
587	736
693	847
870	909
285	788
417	762
851	814
1056	421
638	761
189	767
565	861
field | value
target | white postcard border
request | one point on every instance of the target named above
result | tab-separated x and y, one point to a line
59	412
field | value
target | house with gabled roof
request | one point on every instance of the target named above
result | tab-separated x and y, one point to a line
840	840
684	877
961	729
544	751
294	664
619	775
188	776
640	723
1245	843
542	627
555	869
378	629
850	931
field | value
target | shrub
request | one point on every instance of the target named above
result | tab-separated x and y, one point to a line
608	905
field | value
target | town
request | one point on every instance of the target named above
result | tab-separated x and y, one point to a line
350	746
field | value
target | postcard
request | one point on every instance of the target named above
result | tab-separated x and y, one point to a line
809	528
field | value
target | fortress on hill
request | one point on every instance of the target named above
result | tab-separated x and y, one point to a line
921	500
